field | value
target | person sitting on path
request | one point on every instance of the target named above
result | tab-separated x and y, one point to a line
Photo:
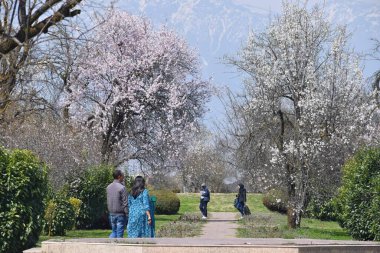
205	198
117	204
242	199
140	216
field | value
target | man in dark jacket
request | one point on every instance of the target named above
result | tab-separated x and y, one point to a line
205	198
242	199
117	203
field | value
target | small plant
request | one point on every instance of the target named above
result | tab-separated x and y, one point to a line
167	202
325	211
59	216
276	200
76	204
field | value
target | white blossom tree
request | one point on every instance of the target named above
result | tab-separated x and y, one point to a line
137	88
204	162
305	94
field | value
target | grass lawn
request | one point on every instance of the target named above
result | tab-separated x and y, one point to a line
263	223
220	202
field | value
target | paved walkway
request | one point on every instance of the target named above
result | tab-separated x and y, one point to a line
220	226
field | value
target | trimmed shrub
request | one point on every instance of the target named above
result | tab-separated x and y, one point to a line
276	200
23	187
59	216
358	201
167	202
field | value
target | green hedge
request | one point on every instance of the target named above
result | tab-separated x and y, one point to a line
23	187
167	201
90	187
276	200
358	202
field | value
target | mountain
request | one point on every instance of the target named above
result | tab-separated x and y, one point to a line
217	28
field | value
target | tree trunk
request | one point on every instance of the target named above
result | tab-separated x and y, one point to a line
106	150
293	213
7	84
294	217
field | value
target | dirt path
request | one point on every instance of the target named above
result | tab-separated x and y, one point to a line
220	225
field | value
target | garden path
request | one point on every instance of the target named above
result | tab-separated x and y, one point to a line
220	225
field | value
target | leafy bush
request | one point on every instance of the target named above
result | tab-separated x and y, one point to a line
167	202
90	188
59	216
276	200
322	210
358	201
23	186
176	190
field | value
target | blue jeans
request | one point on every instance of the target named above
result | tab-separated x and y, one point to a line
240	207
118	223
203	207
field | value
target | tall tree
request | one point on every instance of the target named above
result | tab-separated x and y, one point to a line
137	88
21	24
305	94
376	76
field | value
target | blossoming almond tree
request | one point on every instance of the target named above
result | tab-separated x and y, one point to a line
137	88
305	92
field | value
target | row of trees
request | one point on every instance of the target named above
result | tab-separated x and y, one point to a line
305	107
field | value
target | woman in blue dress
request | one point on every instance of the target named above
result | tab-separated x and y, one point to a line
140	223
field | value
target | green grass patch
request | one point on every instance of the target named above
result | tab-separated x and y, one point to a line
161	220
188	225
274	225
220	202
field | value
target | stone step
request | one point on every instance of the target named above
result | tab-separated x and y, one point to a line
33	250
201	245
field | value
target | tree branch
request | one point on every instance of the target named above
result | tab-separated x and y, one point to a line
9	43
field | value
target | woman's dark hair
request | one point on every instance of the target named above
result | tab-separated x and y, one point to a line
138	186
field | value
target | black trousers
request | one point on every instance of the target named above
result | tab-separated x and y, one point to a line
203	207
